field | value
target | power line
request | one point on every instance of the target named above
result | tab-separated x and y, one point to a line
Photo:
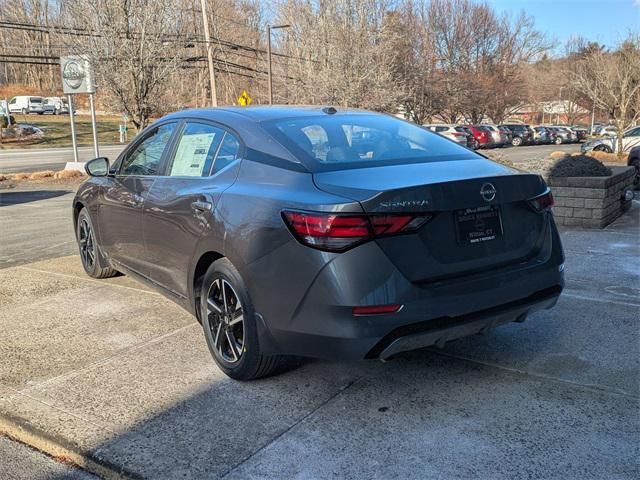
165	38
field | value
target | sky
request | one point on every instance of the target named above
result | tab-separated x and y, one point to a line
602	21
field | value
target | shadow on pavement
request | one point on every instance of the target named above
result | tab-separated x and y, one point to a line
16	198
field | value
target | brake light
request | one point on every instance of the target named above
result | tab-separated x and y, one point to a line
542	203
376	309
337	233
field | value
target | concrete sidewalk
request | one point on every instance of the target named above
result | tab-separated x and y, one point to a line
120	379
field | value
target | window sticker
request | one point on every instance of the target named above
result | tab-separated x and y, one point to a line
192	154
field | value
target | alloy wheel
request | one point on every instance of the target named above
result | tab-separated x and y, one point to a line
226	320
87	245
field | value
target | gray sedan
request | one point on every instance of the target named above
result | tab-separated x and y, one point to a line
320	232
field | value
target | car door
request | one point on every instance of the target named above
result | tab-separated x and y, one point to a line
180	207
123	195
631	139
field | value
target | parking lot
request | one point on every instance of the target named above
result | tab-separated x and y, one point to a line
116	378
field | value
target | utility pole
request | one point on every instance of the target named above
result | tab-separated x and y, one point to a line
269	28
207	37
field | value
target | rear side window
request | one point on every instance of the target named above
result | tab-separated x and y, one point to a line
227	153
35	100
196	150
334	142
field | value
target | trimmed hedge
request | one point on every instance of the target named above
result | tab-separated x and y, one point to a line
579	166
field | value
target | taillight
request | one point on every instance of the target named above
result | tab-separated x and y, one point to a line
543	202
337	232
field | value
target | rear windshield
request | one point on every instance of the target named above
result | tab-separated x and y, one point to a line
335	142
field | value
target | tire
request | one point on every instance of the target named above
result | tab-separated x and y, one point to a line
56	111
603	148
233	344
636	180
24	111
558	141
516	141
89	256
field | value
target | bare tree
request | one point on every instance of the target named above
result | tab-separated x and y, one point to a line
135	47
343	53
612	81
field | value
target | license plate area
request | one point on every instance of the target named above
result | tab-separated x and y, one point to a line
478	225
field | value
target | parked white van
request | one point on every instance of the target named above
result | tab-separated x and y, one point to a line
27	104
57	104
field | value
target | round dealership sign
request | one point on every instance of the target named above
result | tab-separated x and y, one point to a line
77	74
73	74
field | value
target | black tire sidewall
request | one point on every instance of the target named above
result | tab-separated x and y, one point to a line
93	272
635	163
246	367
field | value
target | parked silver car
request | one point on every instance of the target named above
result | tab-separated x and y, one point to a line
609	144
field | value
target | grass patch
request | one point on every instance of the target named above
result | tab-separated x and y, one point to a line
41	175
610	158
57	131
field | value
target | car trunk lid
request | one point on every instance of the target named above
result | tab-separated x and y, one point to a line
480	215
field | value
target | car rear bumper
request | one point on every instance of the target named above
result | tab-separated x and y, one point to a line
320	322
440	331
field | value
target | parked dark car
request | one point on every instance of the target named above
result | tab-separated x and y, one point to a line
544	136
320	232
482	136
581	132
563	135
521	134
506	135
472	143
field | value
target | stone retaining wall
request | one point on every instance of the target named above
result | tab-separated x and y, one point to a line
591	202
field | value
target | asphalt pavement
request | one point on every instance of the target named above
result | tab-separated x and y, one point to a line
34	160
533	152
35	224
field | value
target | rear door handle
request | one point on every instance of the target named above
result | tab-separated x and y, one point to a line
202	206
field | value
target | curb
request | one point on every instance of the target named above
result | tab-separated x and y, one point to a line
20	430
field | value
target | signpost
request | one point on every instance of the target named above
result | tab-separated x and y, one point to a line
78	77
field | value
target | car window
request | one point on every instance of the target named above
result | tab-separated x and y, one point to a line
196	150
633	133
145	158
333	142
13	101
227	153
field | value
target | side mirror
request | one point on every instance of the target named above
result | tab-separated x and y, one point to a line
98	167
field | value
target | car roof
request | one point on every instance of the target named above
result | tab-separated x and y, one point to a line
261	113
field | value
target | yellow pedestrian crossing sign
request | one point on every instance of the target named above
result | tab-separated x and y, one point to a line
244	99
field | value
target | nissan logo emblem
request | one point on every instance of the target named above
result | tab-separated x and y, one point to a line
73	74
488	192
